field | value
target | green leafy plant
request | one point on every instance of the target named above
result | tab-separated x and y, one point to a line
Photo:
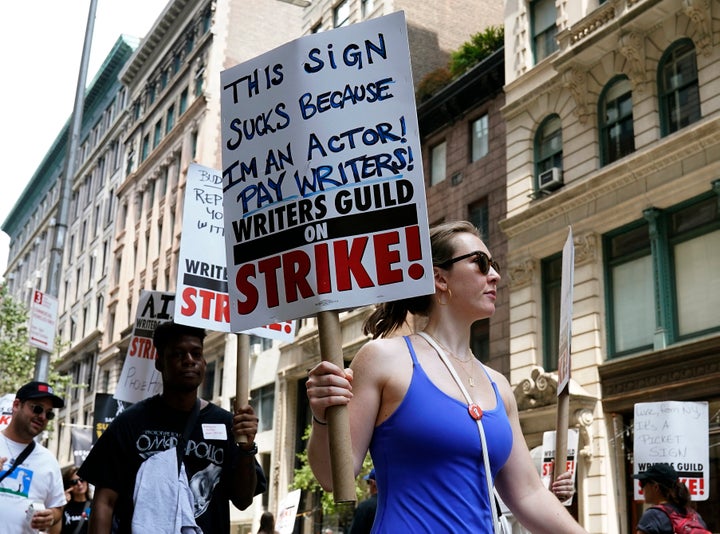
305	480
480	46
17	357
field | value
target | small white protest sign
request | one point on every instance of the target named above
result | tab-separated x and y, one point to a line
676	433
548	457
202	282
139	379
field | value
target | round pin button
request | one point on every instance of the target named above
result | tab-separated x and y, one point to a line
475	411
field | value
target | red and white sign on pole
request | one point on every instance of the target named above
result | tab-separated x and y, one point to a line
202	281
323	189
43	321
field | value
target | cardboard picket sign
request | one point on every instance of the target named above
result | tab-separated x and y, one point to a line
202	282
323	189
676	433
139	379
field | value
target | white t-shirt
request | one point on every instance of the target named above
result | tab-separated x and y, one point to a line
37	479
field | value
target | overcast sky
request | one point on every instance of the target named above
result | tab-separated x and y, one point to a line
41	43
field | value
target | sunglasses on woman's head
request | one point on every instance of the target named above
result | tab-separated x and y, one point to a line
483	260
38	409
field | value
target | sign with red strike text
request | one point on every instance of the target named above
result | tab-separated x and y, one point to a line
139	379
202	282
675	433
43	319
323	189
548	457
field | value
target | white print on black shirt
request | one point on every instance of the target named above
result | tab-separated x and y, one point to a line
155	441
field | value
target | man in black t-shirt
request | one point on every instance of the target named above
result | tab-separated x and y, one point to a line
217	469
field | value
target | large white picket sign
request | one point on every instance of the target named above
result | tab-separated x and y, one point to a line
323	189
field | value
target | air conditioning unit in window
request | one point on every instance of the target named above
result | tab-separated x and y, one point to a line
550	179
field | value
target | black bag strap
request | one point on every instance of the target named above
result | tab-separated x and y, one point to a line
83	519
189	425
20	459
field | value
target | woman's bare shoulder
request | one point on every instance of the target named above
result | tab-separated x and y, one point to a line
380	351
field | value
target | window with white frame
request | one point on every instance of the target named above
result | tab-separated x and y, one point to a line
438	163
480	138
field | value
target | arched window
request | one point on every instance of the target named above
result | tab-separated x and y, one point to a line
615	120
678	87
548	154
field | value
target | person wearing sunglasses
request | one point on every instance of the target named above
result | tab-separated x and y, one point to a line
414	402
79	500
30	473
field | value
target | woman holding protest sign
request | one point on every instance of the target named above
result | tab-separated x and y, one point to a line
435	419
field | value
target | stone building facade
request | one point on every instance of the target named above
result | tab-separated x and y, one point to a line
612	116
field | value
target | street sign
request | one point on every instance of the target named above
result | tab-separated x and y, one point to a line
43	319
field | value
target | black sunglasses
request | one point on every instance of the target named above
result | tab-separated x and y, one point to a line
644	483
483	260
38	409
76	481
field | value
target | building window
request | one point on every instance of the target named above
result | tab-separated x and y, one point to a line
544	30
548	146
478	216
207	20
368	6
678	87
199	79
663	277
163	79
170	119
183	101
208	385
480	340
263	402
617	137
551	273
341	14
157	135
438	160
480	138
145	148
151	93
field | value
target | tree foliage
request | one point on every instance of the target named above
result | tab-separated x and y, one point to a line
480	46
305	480
17	357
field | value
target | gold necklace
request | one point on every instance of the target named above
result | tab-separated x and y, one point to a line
470	375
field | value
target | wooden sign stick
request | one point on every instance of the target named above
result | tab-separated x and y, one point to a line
242	393
341	458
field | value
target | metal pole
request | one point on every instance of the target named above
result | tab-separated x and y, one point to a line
42	363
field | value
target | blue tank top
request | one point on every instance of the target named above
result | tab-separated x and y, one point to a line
429	464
